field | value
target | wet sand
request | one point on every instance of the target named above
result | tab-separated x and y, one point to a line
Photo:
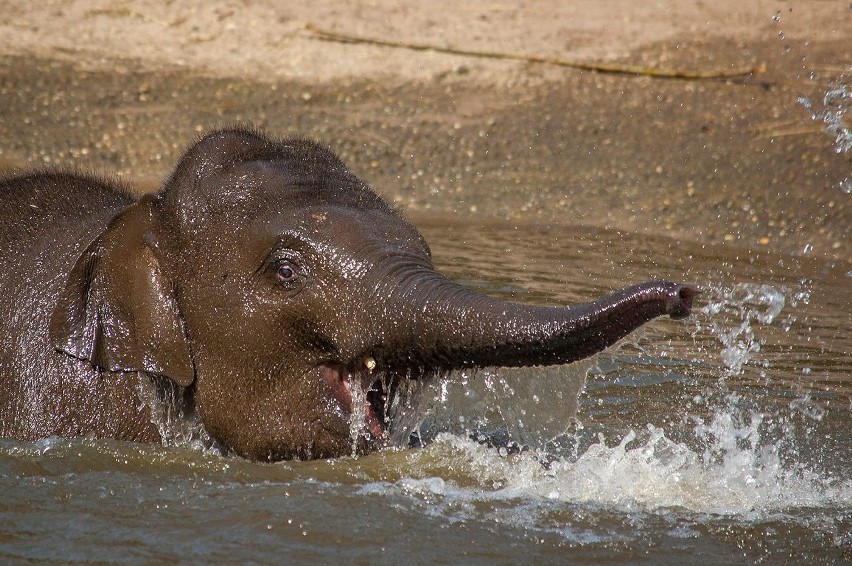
123	88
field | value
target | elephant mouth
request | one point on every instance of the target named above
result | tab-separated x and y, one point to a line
361	392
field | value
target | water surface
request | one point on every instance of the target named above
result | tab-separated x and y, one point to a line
722	439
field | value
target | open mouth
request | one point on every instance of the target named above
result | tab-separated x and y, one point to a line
365	392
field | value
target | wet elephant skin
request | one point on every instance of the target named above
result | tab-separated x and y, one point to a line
266	284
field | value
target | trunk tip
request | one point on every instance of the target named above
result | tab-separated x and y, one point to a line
679	303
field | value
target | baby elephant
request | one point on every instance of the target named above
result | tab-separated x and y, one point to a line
268	286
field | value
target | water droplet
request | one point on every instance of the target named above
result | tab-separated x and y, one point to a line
834	107
846	185
808	249
780	35
777	17
808	407
761	303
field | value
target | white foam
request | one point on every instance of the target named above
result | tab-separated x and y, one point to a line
734	475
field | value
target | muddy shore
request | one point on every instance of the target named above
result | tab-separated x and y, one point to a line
734	158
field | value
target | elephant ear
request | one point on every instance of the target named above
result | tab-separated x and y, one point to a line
117	310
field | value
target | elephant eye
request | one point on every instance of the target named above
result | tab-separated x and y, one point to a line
286	273
284	267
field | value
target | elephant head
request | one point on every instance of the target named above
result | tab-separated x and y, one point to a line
280	290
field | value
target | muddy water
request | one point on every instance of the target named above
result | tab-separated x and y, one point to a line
723	439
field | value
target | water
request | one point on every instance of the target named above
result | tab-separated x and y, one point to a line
723	439
835	104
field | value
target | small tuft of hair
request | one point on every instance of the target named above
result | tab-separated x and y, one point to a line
66	175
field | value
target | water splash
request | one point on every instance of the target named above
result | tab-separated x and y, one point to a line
530	406
750	303
737	474
358	417
177	424
836	103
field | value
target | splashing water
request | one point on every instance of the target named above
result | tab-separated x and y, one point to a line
357	419
751	303
736	474
835	105
176	425
485	404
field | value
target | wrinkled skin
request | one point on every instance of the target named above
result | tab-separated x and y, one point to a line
264	282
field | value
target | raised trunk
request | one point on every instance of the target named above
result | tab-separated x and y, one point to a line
453	327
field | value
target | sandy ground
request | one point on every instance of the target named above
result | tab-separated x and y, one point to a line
735	159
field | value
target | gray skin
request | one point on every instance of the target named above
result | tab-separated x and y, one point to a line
262	283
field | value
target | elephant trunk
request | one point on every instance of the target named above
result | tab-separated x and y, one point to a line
454	327
426	324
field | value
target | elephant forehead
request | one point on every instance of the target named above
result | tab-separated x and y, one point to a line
290	183
342	228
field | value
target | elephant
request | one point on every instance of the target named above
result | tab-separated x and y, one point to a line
268	287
